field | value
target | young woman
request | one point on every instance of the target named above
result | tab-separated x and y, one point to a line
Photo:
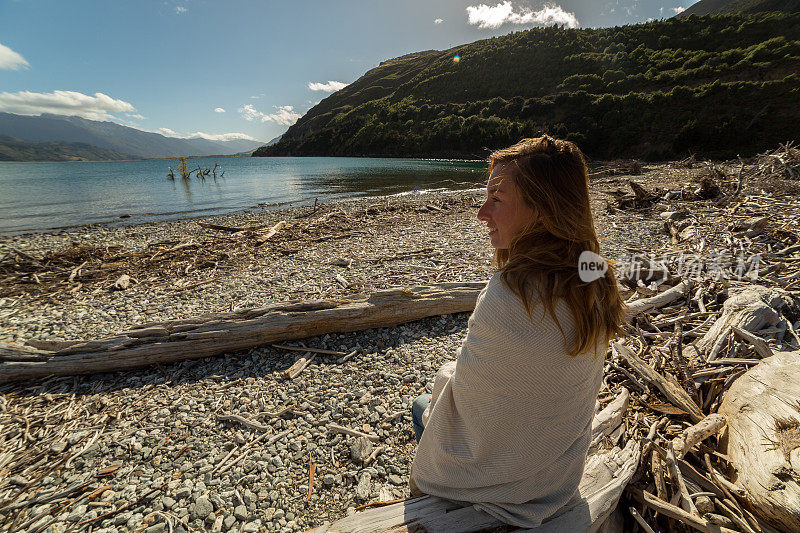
508	424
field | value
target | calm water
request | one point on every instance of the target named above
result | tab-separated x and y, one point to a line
43	196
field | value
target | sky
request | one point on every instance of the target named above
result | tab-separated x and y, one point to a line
243	68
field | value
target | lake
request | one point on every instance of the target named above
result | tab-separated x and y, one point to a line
45	196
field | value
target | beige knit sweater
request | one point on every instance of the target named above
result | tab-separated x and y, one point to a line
509	421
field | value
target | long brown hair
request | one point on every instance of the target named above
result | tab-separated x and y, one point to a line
550	175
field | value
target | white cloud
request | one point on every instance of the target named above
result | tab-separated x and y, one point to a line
135	115
679	9
285	116
330	87
437	21
202	135
219	110
10	60
180	10
97	107
257	96
493	17
220	136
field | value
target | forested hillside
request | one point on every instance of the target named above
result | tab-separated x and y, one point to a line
723	7
715	85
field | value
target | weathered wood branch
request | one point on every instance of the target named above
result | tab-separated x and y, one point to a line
660	300
193	338
702	430
677	513
609	419
299	365
670	388
230	229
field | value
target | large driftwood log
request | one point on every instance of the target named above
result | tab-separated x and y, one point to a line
754	308
604	478
179	340
762	409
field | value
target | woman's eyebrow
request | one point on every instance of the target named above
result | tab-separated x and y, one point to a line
494	189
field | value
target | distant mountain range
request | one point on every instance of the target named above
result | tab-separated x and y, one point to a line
13	149
95	140
726	7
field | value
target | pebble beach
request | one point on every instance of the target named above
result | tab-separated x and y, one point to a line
228	443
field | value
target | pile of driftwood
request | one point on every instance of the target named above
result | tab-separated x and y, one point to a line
782	163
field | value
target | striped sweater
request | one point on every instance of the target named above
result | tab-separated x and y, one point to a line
509	421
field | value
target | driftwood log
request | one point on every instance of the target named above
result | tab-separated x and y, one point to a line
604	478
179	340
762	409
752	309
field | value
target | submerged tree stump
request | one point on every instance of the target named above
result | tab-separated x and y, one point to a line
762	409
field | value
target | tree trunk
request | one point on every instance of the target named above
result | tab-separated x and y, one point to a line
179	340
762	409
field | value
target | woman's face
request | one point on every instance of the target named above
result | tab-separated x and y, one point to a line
504	210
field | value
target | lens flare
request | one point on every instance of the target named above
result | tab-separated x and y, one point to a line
456	58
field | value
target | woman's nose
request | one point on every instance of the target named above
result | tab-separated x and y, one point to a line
482	212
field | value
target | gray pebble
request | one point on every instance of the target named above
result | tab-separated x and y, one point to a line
156	528
202	508
360	449
77	513
240	512
364	486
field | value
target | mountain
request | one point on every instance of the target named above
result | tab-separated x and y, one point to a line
13	149
114	137
725	7
715	86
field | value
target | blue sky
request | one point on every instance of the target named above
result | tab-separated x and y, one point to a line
215	68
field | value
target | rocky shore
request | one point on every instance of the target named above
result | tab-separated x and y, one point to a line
229	443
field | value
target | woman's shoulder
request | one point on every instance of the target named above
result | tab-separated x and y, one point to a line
506	304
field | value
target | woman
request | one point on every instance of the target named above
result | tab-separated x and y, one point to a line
508	423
